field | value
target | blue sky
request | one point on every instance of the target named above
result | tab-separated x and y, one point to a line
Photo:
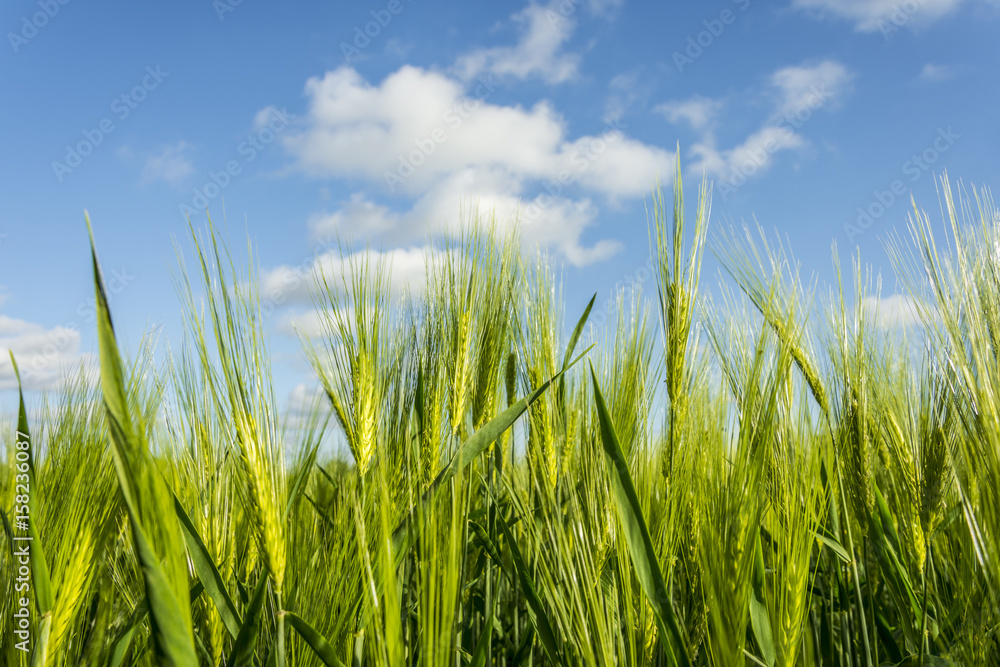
379	121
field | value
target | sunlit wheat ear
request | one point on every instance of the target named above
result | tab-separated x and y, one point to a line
955	284
792	520
936	428
71	588
499	282
678	273
242	386
356	334
770	279
537	342
455	279
78	486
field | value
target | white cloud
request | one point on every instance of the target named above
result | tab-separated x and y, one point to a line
625	92
300	410
894	311
421	136
880	15
266	117
697	111
287	284
802	87
754	155
932	73
171	165
301	396
355	129
428	141
362	217
310	323
557	221
796	93
538	53
43	355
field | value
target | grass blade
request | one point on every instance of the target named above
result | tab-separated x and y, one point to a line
836	547
577	330
173	635
488	545
317	642
489	433
208	573
122	643
540	620
758	611
44	600
640	546
482	646
472	448
246	640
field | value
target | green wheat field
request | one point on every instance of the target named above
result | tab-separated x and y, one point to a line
752	474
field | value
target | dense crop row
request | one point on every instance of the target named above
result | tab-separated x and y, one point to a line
762	478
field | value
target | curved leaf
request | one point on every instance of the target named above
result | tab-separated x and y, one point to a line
208	573
640	546
538	616
173	635
246	640
317	642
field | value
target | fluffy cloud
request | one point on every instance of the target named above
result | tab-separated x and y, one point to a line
893	311
697	111
171	165
426	137
361	216
804	86
405	269
309	323
43	355
758	150
418	120
795	93
433	152
932	73
880	15
538	52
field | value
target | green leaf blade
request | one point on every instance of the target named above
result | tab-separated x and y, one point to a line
639	543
